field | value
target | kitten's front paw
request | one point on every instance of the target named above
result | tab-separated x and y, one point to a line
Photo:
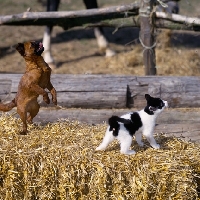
156	146
130	152
100	148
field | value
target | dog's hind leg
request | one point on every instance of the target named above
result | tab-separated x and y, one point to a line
33	111
108	138
23	116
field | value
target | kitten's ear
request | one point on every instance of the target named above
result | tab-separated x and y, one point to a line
147	97
153	109
20	49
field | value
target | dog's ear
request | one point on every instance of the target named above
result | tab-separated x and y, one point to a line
20	48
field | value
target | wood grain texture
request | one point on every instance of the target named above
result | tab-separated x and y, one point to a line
5	89
147	38
109	91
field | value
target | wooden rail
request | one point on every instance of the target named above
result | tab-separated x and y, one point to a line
68	19
116	16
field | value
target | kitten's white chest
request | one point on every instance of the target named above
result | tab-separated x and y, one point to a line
148	121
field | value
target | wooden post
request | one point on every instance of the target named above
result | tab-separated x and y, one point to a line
147	37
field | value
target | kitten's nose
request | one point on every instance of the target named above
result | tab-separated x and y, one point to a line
166	104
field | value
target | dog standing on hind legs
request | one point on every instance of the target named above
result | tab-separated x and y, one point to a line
32	84
141	122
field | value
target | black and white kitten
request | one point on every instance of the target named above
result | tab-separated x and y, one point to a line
123	128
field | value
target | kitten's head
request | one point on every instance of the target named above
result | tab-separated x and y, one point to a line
154	105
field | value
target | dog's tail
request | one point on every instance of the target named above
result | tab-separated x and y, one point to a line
114	125
8	106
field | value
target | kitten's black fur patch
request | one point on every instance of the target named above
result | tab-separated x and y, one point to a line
135	124
131	125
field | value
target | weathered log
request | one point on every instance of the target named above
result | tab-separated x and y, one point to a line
132	21
189	132
124	22
179	18
117	23
167	24
115	16
68	19
109	91
92	99
5	89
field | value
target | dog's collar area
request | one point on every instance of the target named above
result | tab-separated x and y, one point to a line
28	55
38	68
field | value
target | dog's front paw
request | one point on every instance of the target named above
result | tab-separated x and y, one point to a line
54	101
156	146
46	99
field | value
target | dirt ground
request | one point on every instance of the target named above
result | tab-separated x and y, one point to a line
75	51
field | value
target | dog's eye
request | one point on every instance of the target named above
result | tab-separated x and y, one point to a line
32	45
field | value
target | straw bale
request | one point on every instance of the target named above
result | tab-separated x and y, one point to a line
58	161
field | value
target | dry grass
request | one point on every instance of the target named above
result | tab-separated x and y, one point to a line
58	161
176	61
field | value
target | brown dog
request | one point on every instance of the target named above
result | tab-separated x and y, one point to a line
32	84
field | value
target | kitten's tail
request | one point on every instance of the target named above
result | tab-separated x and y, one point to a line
8	106
115	119
114	125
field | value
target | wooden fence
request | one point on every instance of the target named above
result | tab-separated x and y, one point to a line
116	16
